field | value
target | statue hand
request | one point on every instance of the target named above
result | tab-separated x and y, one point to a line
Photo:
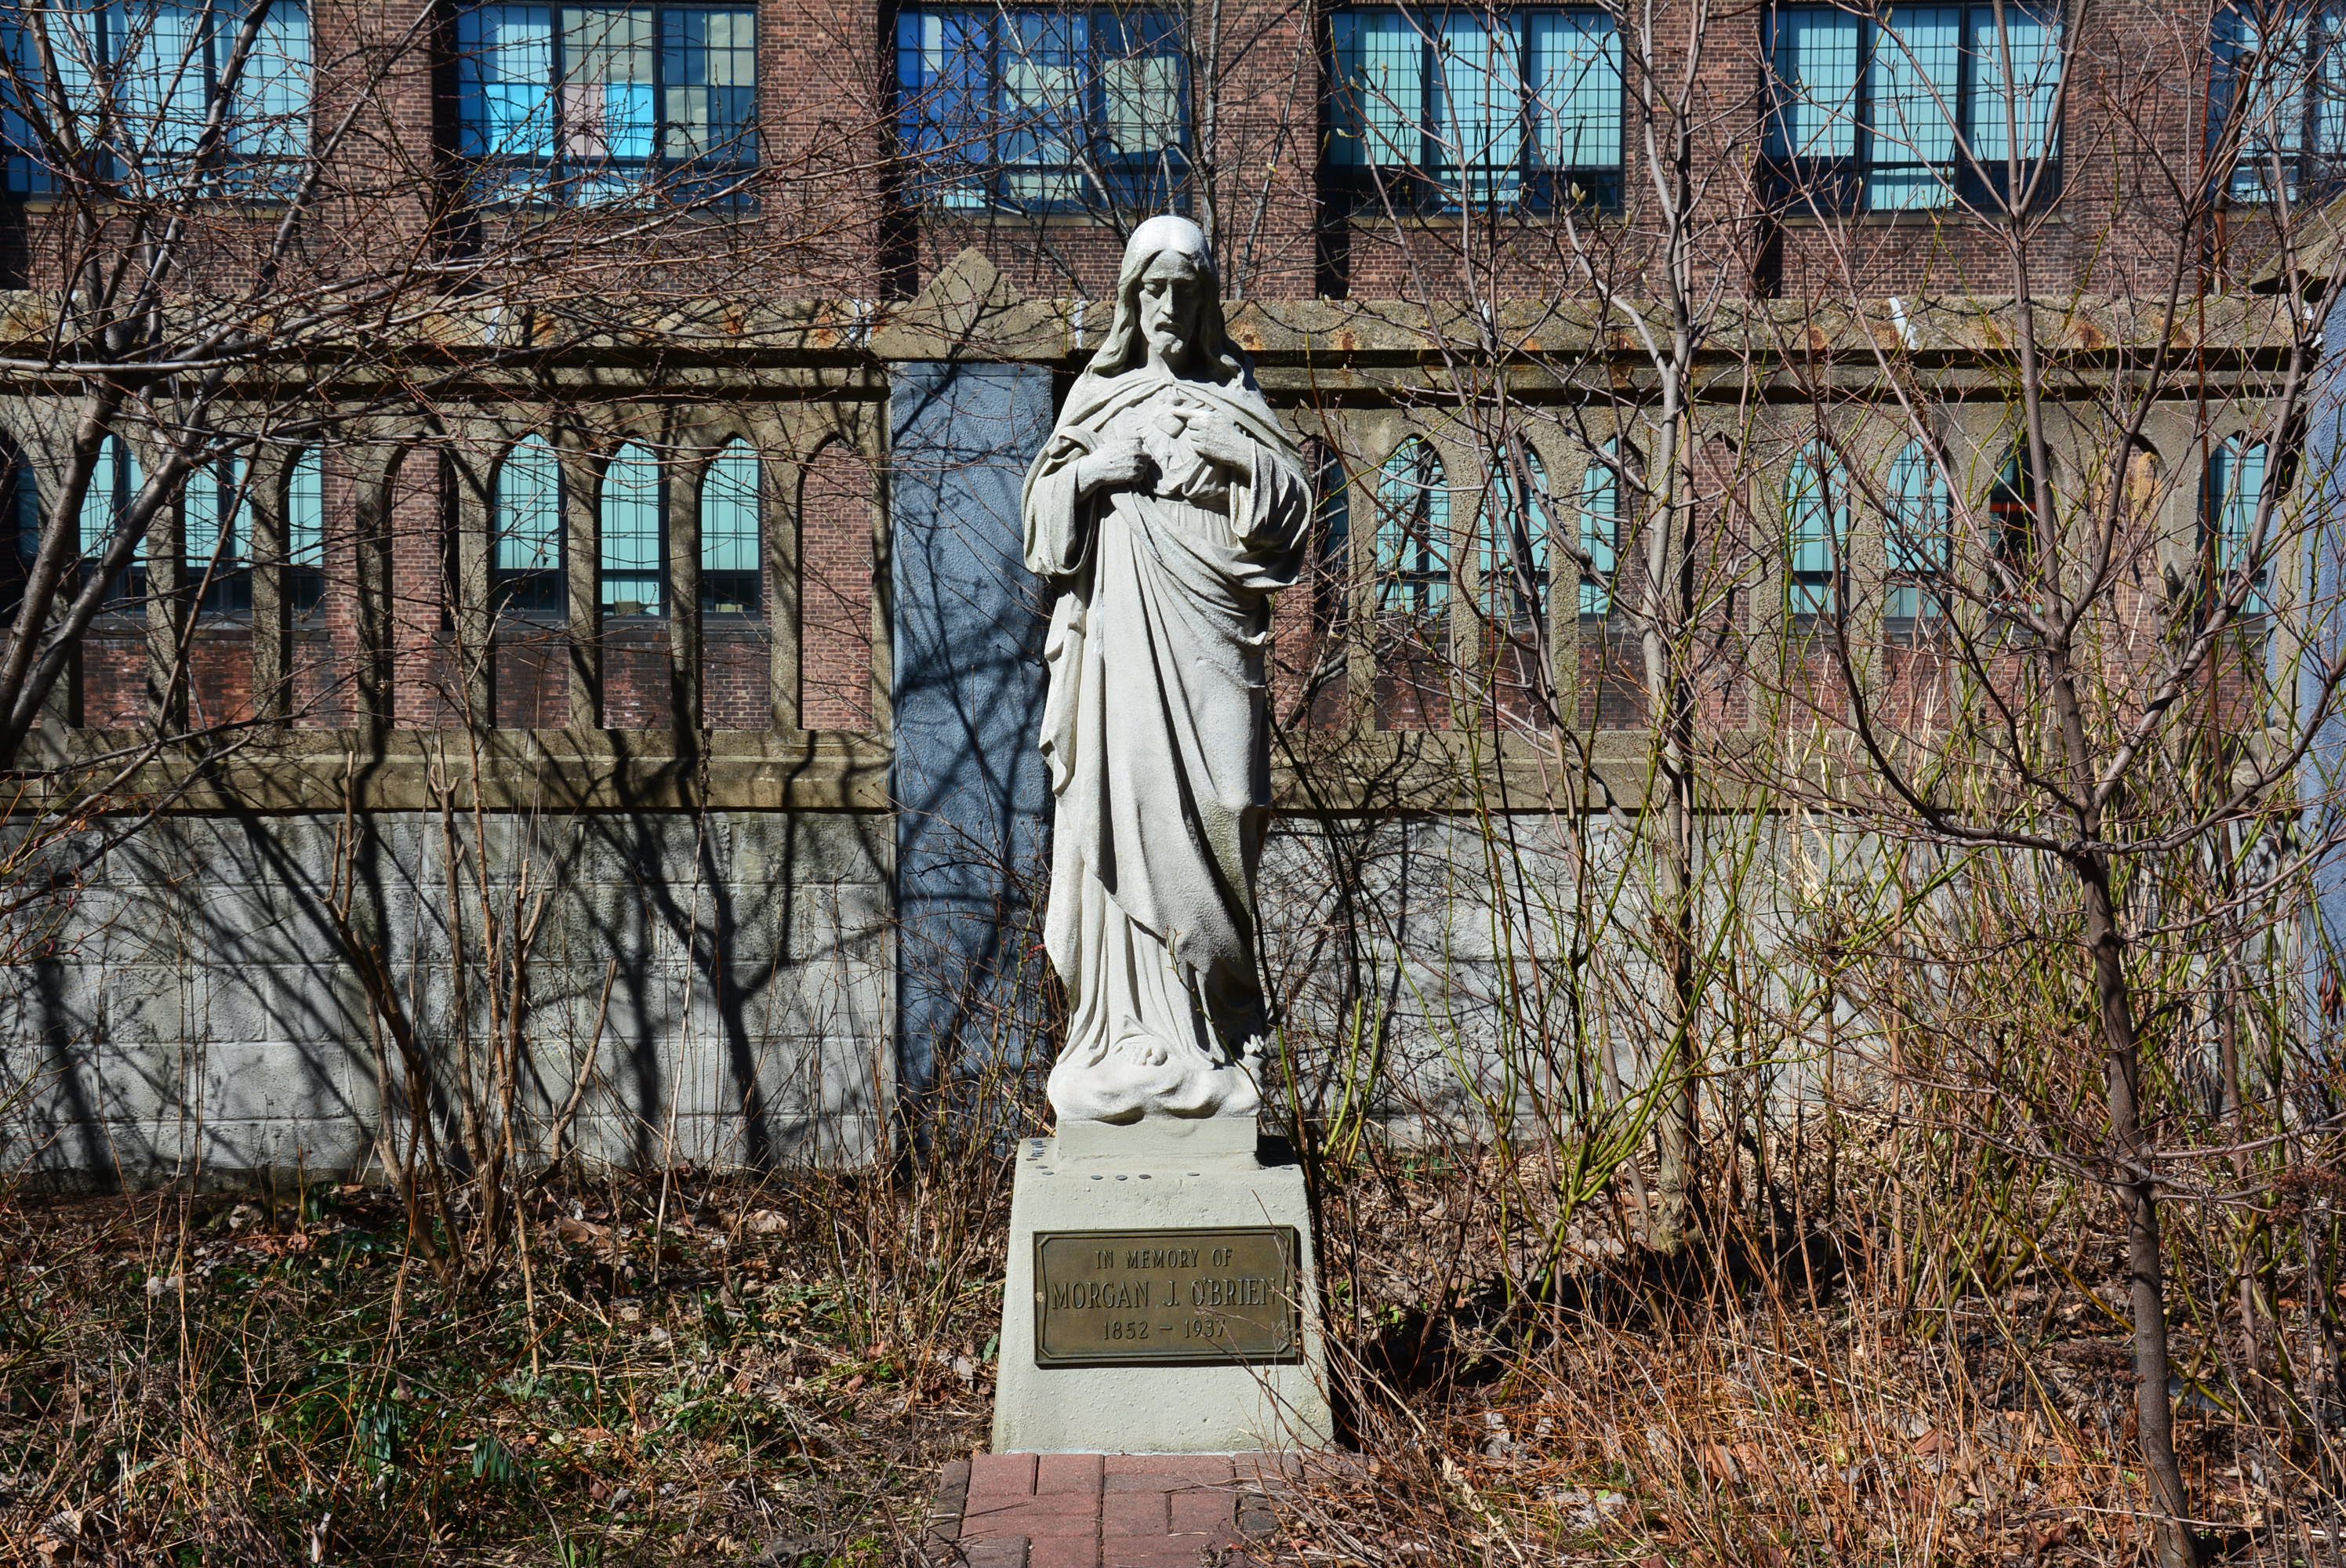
1118	465
1221	443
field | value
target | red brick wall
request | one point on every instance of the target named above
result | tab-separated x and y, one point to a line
838	502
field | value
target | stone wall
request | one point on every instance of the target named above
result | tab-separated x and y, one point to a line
196	1007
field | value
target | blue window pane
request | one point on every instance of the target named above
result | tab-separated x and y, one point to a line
944	65
2016	74
1574	82
1381	54
1813	54
607	103
2283	72
24	495
634	546
130	86
731	574
1915	83
1042	107
269	121
504	72
1042	110
1479	107
709	62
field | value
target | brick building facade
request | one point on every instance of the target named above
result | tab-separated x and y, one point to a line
643	595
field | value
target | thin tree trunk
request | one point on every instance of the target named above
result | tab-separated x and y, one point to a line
2145	1262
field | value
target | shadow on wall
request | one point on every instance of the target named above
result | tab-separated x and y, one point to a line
224	996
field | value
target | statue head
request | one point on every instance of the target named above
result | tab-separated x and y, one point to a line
1168	305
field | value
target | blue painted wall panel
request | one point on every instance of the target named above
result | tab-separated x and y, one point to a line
972	797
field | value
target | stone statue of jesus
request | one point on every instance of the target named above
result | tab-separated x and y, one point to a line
1165	509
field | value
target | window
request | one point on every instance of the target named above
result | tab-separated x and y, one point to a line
1816	514
731	579
216	533
635	536
525	576
2282	68
1440	109
133	88
1921	539
1331	583
2236	489
1867	108
305	577
2011	509
1037	110
606	104
1414	533
1600	532
115	481
1515	540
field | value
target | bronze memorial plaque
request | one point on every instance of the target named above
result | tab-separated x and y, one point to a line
1110	1297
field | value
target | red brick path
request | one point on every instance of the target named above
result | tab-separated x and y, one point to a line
1114	1511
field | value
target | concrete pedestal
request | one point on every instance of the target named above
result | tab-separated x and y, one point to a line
1149	1186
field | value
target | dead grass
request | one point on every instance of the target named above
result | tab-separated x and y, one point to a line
724	1372
232	1381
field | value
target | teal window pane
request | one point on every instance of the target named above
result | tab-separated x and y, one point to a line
2236	488
1921	535
1600	532
1414	532
1816	506
635	545
732	561
1516	530
305	511
1813	55
216	517
525	527
115	481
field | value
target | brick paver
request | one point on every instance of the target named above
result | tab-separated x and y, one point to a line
1112	1510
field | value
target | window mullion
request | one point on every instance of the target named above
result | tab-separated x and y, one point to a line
1861	108
557	52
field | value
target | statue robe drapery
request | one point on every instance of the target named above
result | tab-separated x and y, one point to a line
1155	731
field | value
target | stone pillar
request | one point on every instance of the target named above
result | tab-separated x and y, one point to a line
972	797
